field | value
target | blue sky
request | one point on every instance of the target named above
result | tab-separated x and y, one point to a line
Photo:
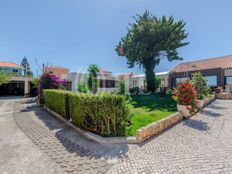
75	33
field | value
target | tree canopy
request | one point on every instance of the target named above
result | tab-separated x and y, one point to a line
26	67
149	40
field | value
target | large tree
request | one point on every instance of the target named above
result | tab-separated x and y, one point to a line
149	40
26	67
92	81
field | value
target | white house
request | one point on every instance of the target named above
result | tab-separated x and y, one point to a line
107	82
139	80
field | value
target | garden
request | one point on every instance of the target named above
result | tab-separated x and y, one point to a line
121	114
117	114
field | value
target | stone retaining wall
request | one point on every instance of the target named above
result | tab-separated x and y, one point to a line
224	96
158	126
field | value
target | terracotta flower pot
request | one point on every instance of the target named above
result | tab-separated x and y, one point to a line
200	104
183	109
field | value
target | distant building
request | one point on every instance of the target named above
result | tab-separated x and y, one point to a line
217	70
18	85
57	70
107	82
12	68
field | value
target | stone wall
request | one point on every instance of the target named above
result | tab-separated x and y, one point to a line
224	96
158	126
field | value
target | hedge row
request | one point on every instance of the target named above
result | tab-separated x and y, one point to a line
57	100
105	114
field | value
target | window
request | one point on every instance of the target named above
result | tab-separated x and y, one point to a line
107	83
229	80
179	80
212	80
15	70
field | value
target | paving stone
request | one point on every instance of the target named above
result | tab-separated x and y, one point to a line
70	156
202	144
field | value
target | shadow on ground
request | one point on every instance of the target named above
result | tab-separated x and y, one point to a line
71	139
196	124
154	102
211	113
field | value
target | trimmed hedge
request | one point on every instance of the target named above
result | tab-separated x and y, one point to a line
105	114
57	100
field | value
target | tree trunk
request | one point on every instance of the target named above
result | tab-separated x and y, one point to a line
150	77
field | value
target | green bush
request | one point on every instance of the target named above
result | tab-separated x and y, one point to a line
57	100
105	114
83	87
201	85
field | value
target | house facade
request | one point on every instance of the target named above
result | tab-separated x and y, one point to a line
18	84
218	71
11	68
107	82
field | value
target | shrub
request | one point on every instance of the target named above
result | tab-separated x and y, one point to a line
201	85
121	88
57	100
105	114
186	94
83	87
48	81
158	82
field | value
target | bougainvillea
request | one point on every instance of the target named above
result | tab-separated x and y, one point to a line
186	94
49	81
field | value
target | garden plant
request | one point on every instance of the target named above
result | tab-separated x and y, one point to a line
201	85
186	94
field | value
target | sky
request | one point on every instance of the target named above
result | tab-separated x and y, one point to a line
75	33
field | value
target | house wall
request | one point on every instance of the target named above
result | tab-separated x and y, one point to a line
107	83
228	72
219	72
18	71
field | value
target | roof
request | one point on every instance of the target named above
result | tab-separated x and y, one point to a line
223	62
9	64
55	67
157	74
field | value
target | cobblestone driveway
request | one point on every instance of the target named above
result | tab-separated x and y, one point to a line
68	149
202	144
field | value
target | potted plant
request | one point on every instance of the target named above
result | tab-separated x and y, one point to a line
202	88
186	97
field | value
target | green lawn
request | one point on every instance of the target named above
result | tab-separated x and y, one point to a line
146	109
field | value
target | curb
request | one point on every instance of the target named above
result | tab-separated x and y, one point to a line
92	136
154	127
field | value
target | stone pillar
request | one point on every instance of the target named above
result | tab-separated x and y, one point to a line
26	87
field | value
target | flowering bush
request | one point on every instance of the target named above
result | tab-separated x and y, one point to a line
186	94
48	81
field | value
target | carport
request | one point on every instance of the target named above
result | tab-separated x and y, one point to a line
17	86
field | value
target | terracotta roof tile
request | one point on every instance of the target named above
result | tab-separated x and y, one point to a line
57	70
218	62
9	64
